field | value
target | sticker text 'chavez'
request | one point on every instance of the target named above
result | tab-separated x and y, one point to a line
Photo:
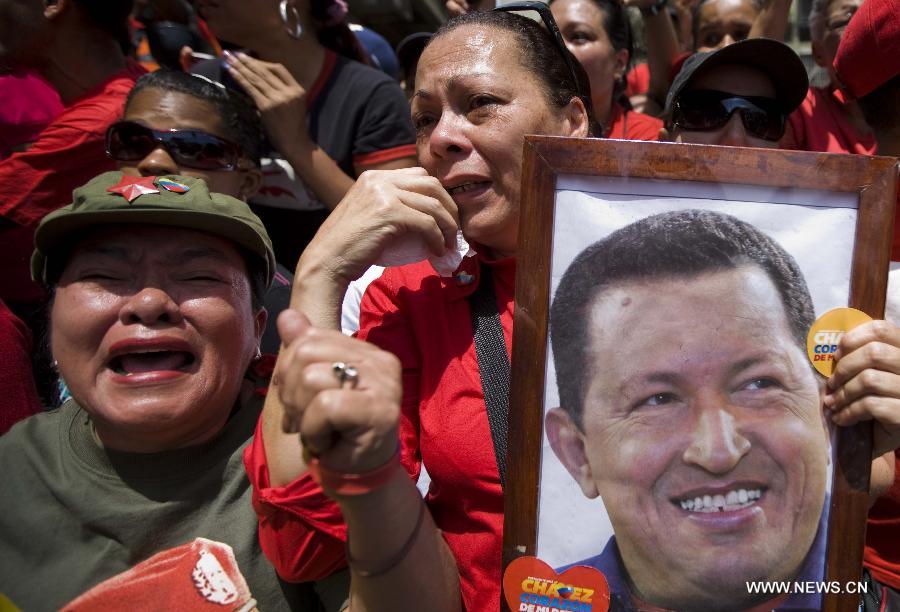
543	595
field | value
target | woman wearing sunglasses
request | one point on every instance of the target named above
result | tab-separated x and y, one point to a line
598	33
484	81
737	96
177	123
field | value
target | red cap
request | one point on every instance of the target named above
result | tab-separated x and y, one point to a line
869	54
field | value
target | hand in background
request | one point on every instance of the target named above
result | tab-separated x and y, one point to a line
280	99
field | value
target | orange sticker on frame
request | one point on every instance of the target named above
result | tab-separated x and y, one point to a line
826	333
529	584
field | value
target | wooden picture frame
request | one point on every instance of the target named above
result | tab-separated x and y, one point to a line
551	164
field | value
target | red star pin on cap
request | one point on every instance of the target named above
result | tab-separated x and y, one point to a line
133	187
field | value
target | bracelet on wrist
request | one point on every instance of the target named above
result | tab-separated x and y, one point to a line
341	483
367	572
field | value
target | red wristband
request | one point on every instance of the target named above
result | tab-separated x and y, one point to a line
341	483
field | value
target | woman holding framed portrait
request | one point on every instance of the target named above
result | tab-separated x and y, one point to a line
484	81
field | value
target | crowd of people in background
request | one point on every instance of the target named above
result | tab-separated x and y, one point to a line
220	318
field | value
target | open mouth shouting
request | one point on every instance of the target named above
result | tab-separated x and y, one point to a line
150	360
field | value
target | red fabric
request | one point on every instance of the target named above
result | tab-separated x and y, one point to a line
425	320
638	79
301	531
882	555
200	575
29	104
678	64
869	53
20	397
67	154
821	124
631	125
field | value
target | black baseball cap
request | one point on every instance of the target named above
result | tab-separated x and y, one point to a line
410	48
778	61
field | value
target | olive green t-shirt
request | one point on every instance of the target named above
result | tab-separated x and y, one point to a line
73	514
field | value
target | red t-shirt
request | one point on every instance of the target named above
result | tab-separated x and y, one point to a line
67	154
632	125
638	79
821	124
20	397
424	320
29	105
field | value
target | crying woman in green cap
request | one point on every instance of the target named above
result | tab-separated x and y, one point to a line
155	326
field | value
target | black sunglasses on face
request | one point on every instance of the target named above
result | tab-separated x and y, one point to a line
706	110
547	17
130	141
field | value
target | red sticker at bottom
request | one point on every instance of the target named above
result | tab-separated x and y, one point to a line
530	585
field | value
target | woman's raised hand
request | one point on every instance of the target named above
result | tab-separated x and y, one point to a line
349	422
280	99
381	207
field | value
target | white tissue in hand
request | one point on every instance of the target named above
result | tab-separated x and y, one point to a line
411	248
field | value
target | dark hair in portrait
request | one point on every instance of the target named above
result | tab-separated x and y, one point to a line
681	244
540	56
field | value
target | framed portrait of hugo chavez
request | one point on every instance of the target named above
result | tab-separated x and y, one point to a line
667	424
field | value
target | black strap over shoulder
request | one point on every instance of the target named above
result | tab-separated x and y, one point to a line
493	364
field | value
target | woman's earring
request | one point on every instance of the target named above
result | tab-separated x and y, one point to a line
258	354
295	31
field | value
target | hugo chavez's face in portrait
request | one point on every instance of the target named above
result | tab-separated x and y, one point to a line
704	436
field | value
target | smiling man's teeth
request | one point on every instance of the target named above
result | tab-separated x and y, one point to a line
733	500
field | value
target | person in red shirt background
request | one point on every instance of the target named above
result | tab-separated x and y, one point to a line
76	46
29	105
827	121
867	64
598	33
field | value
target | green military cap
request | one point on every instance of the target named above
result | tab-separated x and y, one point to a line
178	201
